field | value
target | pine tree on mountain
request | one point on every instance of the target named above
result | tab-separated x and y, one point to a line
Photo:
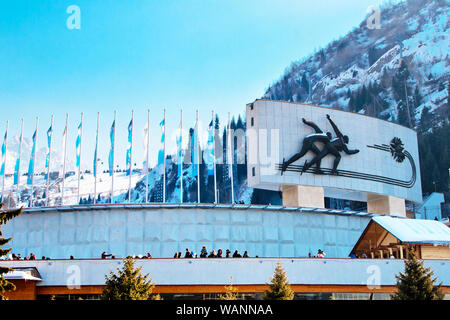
225	190
372	55
323	58
349	93
385	81
428	164
364	96
402	114
239	123
426	120
351	103
224	143
423	155
445	163
398	82
189	155
233	123
436	178
305	83
5	216
217	122
417	98
447	112
204	198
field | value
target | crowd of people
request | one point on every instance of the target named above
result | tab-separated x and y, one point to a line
188	254
320	254
212	254
140	256
31	256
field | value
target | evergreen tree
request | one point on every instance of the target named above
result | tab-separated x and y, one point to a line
6	215
351	103
385	81
128	284
323	58
426	120
231	292
417	98
305	83
349	93
279	289
398	82
416	283
447	110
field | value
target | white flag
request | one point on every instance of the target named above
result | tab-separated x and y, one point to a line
63	150
145	141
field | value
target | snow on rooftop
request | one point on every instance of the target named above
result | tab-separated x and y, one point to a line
415	230
22	275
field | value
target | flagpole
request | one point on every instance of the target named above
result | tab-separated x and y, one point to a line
64	158
214	158
164	162
181	156
79	164
18	167
113	151
231	159
198	161
96	159
34	160
49	159
4	162
131	157
148	140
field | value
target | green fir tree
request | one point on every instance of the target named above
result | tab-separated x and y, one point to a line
128	284
416	283
279	288
5	216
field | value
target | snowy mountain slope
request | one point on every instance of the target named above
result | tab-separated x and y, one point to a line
416	30
400	72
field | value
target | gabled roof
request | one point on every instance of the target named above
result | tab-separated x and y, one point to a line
415	230
403	230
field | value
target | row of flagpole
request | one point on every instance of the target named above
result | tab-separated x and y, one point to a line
161	157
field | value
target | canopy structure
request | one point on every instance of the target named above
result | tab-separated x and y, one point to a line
23	274
387	236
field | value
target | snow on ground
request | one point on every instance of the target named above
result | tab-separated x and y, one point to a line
87	187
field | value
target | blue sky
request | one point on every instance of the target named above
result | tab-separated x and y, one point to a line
135	54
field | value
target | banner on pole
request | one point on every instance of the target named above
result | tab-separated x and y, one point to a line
2	169
210	152
145	140
111	151
47	158
95	156
128	155
78	146
31	164
194	151
16	167
161	152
